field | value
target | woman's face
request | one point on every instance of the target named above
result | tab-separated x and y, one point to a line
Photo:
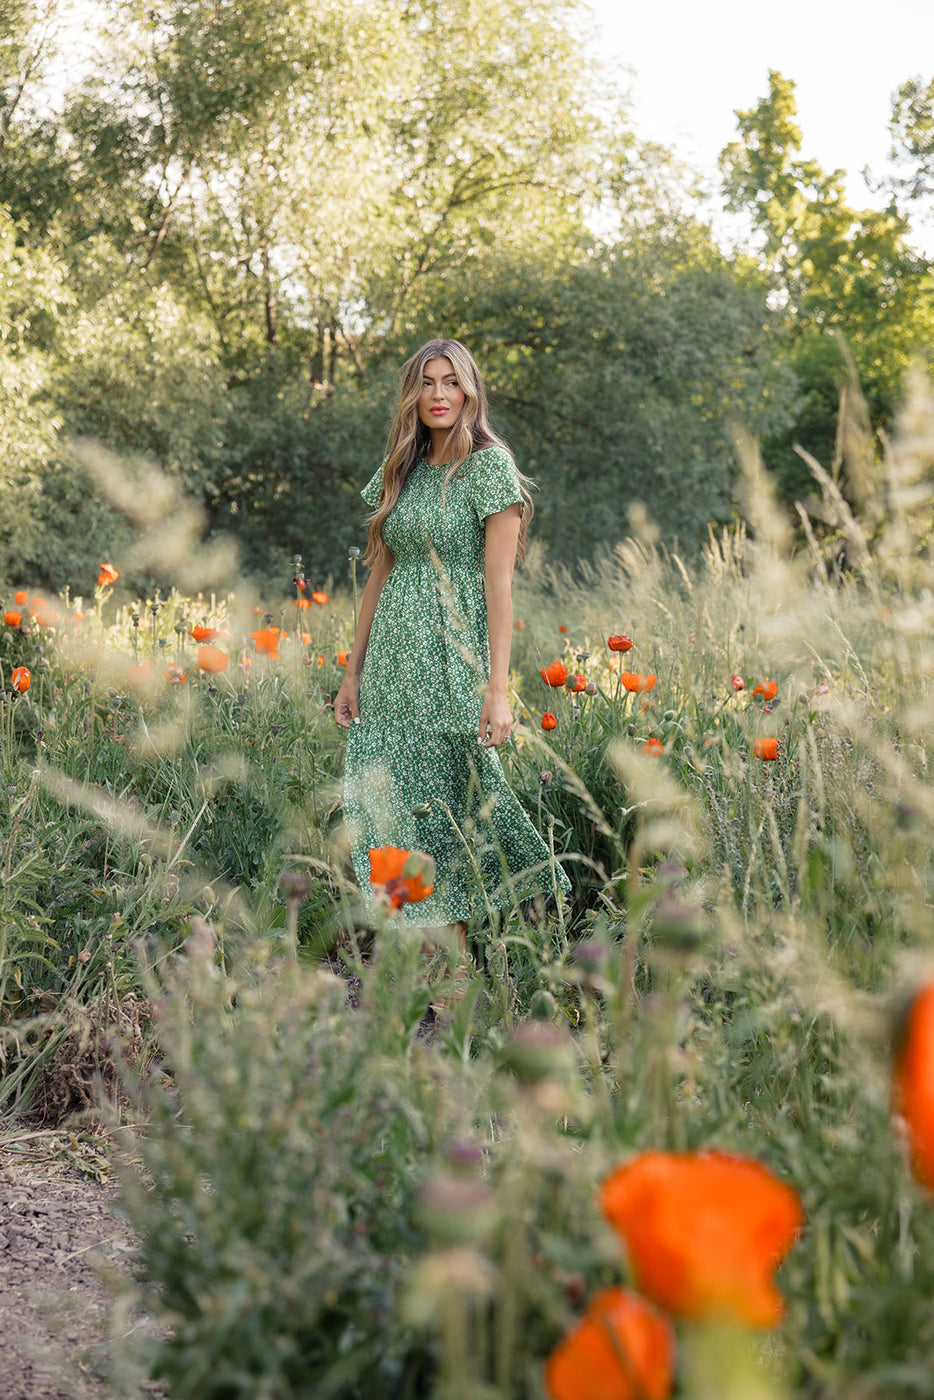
441	398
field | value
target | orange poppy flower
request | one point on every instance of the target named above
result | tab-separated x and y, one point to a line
767	689
913	1083
404	877
619	643
174	674
576	683
319	598
342	658
266	642
704	1231
302	603
108	574
21	597
622	1349
519	625
12	619
766	749
562	628
555	674
212	659
42	615
207	634
139	673
549	721
77	617
737	683
633	681
653	747
37	605
306	638
21	680
320	658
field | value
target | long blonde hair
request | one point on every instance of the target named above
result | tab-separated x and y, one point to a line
409	438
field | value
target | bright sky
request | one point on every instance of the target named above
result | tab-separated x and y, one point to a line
695	61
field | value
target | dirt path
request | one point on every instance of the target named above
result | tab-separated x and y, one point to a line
57	1230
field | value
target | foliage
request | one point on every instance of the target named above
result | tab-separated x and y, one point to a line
841	272
338	1187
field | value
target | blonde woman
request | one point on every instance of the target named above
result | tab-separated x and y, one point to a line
425	694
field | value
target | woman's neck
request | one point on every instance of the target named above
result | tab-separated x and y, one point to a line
437	454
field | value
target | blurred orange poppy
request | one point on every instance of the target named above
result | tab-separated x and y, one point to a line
174	674
139	673
266	642
766	749
653	747
207	634
622	1349
913	1083
633	681
767	689
319	598
43	615
619	643
12	619
20	596
404	877
549	721
704	1232
737	683
555	674
108	574
21	680
519	625
301	603
342	658
212	659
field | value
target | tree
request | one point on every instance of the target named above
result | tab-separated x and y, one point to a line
840	274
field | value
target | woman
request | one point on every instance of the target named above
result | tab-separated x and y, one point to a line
425	694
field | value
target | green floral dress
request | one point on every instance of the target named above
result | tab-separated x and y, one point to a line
424	675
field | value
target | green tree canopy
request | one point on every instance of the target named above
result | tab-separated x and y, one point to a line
837	271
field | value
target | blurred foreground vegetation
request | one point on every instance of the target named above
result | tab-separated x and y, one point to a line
358	1166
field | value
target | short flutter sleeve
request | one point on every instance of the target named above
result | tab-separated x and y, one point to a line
374	488
492	481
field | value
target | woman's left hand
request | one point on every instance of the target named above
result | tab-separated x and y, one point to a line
495	720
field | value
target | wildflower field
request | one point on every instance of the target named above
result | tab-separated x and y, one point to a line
673	1136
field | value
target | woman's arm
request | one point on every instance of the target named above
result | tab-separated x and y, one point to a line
502	538
347	699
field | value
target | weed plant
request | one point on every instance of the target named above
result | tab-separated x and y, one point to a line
339	1192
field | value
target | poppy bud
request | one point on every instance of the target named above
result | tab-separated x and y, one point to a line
294	885
543	1005
538	1050
590	688
589	955
545	776
421	809
354	552
456	1209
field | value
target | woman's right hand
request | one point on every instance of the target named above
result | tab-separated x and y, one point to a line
347	702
